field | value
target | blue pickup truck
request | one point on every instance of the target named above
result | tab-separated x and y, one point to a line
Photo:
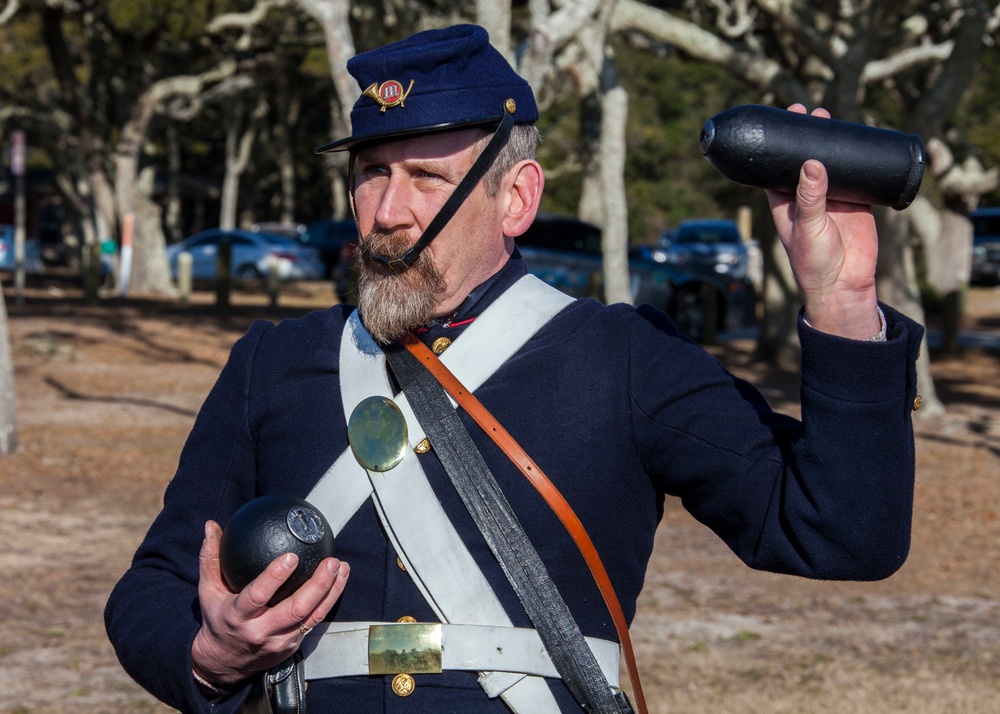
566	253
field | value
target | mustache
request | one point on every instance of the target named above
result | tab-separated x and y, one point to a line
385	244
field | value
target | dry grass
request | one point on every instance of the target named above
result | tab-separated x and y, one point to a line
106	396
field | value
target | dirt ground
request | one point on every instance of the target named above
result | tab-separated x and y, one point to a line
107	394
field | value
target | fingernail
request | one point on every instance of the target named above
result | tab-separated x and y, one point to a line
287	561
333	566
810	171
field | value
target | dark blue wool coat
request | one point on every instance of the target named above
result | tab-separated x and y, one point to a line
615	406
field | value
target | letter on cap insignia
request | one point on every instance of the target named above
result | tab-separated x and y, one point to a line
390	94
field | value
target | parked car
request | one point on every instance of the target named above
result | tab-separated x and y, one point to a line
566	253
985	246
704	244
252	253
329	237
32	252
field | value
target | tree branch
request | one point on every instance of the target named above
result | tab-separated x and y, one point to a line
908	58
245	20
756	69
9	11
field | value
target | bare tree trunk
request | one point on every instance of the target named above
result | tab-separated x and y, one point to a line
494	17
778	343
591	205
8	411
149	269
240	136
614	235
129	151
334	16
173	218
287	110
91	145
897	286
336	166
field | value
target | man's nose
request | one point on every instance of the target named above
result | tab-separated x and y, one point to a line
394	210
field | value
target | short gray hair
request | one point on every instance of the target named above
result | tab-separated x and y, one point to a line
521	146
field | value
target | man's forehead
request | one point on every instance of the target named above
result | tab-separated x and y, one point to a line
443	145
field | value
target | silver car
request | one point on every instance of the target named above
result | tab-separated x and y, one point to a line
252	255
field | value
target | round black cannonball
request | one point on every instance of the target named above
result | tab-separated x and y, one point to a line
269	526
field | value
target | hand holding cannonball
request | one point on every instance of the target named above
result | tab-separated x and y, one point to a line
270	526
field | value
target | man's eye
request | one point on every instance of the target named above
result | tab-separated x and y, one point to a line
371	172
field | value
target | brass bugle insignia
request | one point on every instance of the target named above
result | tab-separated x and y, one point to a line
389	94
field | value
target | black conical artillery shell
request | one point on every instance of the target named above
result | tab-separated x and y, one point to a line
765	147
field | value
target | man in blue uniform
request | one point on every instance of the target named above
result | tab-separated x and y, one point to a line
615	405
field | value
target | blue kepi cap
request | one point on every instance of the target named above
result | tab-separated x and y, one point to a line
433	81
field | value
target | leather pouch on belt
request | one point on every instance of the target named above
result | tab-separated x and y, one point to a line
281	690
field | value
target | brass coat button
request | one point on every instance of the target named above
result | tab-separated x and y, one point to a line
399	564
407	618
917	403
440	345
403	685
423	447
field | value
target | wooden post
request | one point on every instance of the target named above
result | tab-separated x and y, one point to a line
744	220
125	259
223	274
184	275
710	303
273	281
17	168
91	271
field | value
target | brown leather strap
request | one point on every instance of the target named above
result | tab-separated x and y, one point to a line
548	491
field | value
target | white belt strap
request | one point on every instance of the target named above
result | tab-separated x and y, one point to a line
340	649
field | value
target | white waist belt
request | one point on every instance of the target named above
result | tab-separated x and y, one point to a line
340	649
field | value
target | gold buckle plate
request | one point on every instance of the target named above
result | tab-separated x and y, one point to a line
414	648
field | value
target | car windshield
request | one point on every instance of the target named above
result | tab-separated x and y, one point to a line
273	239
706	234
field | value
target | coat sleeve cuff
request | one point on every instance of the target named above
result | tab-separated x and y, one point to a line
859	370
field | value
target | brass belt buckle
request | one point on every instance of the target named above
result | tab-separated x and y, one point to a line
413	648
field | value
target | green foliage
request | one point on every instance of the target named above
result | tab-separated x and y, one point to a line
668	179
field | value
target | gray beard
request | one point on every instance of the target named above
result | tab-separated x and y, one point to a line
391	304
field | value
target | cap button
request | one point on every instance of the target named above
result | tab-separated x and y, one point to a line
510	105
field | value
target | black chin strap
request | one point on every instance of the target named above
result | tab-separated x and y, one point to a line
461	192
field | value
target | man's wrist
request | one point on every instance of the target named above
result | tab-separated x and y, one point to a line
879	336
207	688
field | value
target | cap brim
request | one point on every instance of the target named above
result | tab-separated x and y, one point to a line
352	141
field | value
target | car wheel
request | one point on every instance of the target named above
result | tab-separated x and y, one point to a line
248	274
688	313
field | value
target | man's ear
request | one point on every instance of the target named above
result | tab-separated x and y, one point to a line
524	192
